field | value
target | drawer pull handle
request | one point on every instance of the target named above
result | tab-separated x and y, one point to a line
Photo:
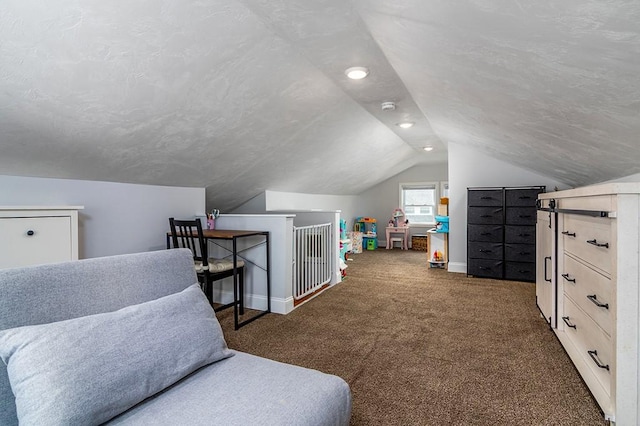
485	233
594	242
486	215
594	299
524	235
545	269
569	234
524	253
30	232
523	271
594	356
484	251
486	198
566	277
566	321
524	197
524	216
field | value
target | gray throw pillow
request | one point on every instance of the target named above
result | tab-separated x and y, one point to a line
88	370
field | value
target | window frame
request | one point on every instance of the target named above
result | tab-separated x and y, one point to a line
435	186
444	187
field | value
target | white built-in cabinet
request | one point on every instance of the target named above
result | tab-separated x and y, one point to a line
37	235
593	299
545	291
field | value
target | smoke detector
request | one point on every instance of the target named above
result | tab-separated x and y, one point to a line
388	106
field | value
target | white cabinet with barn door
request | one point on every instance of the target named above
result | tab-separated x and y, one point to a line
38	235
597	282
545	279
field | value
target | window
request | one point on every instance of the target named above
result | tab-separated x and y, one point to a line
418	200
444	189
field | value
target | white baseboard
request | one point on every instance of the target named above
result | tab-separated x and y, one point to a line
281	306
458	267
258	302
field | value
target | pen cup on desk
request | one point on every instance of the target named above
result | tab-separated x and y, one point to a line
211	224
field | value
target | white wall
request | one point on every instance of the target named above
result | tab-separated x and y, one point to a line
118	218
318	218
290	201
256	205
380	201
303	210
280	228
469	168
277	201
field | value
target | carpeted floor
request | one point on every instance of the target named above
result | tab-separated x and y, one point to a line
422	346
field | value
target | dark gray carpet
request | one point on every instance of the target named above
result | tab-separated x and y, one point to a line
421	346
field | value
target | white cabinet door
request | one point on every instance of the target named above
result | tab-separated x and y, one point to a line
28	241
545	293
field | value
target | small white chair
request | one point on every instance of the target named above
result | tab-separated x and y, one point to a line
398	240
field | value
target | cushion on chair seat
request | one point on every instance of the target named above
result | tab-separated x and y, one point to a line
219	265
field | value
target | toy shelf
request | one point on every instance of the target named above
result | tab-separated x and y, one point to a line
437	248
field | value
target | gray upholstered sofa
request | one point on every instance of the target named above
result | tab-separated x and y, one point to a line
131	340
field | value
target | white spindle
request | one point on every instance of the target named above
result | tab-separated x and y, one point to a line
312	258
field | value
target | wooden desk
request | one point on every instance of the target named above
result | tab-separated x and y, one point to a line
398	230
233	236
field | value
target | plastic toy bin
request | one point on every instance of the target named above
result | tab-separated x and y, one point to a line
369	243
442	223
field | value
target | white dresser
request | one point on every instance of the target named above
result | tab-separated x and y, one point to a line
545	263
38	234
595	290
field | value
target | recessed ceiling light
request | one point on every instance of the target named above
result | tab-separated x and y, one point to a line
406	124
357	73
428	148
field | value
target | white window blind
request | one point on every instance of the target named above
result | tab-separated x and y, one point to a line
419	201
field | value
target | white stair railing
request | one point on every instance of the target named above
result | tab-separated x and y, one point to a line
312	260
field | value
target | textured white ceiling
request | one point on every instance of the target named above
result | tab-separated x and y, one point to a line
247	95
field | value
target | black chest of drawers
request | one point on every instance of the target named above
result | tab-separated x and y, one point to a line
501	232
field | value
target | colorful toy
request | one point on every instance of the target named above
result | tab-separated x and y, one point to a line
442	224
438	256
368	227
356	241
344	242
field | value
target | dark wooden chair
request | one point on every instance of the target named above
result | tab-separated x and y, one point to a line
188	234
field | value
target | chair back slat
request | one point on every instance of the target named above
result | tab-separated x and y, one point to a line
188	234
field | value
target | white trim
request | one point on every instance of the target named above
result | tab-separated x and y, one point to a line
257	215
258	302
458	267
420	185
38	208
281	306
443	183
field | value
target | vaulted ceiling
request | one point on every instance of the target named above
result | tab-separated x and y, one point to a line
240	96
